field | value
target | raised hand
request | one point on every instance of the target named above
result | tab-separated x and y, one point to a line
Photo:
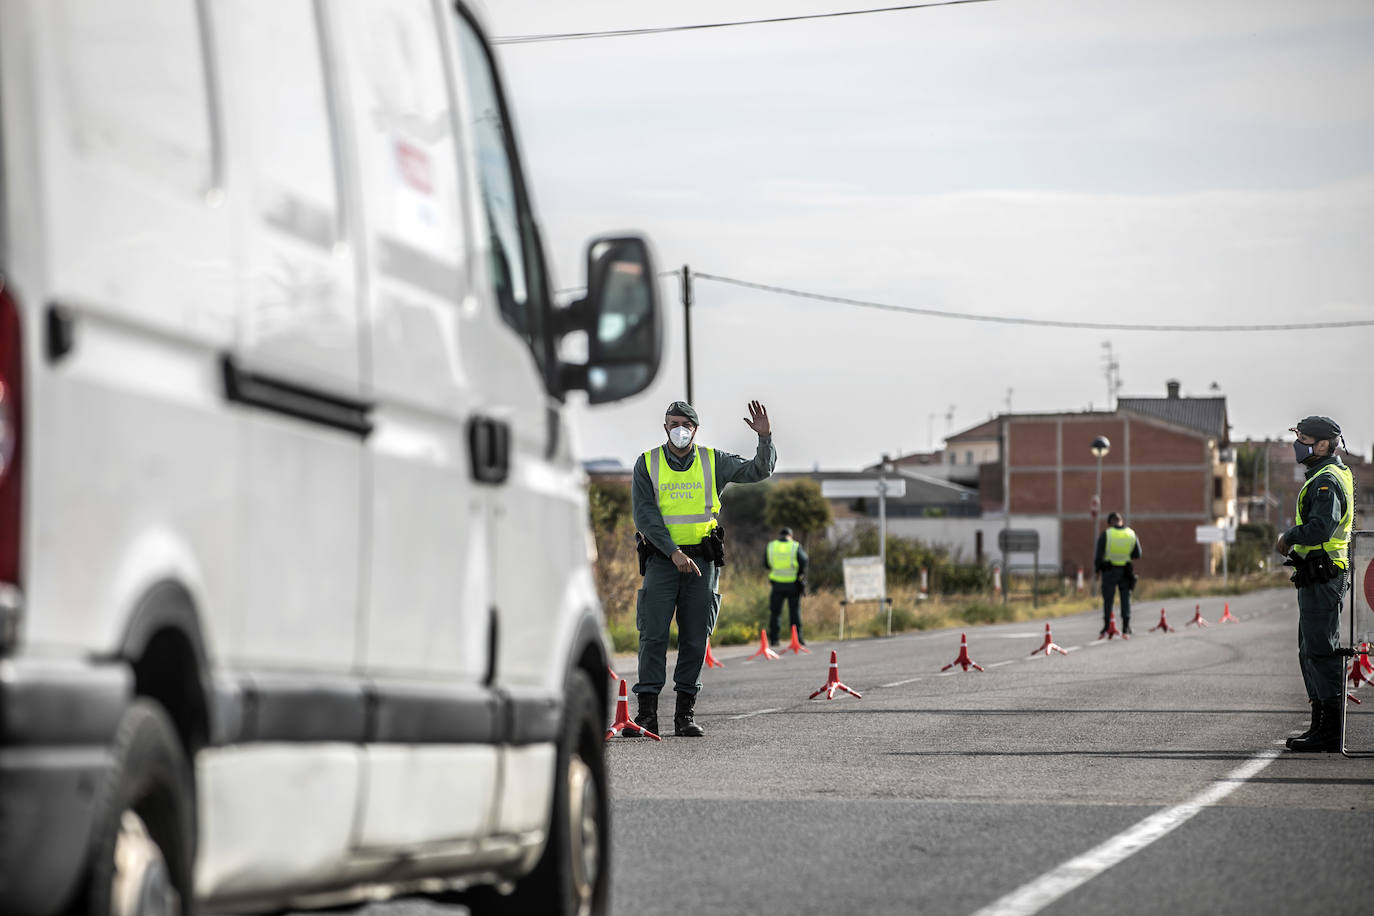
758	419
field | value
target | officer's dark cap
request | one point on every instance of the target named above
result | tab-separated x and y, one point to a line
682	409
1318	427
785	532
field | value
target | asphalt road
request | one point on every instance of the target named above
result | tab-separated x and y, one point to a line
1133	777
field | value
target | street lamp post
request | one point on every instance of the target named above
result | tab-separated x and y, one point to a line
1100	447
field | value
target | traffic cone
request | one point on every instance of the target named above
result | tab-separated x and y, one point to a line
1226	616
623	724
1111	629
833	682
711	660
611	672
1197	617
1358	675
1365	663
796	646
1049	647
1163	623
764	650
963	658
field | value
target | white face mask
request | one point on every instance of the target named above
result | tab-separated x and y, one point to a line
680	436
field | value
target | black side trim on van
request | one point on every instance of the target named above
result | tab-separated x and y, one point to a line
293	708
257	390
410	715
270	706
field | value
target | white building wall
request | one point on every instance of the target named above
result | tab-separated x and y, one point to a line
960	535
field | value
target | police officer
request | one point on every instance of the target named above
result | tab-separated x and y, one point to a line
1318	548
1116	548
785	561
675	496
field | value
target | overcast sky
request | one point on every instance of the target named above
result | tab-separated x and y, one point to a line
1141	161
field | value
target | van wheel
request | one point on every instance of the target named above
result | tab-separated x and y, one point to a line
143	839
573	877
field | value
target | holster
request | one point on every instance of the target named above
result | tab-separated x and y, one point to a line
1129	577
1315	568
645	549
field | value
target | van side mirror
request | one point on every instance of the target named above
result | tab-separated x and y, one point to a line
621	316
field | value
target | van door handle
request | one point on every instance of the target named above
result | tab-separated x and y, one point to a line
489	449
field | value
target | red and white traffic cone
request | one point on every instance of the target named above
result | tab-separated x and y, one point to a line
1358	675
1227	616
623	724
611	672
1163	623
1111	629
1080	579
796	646
1197	617
963	660
764	650
833	682
711	660
1049	647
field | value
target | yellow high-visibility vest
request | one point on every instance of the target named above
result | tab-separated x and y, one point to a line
1120	543
782	560
1338	547
688	499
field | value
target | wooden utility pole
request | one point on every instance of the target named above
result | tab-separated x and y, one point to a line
687	324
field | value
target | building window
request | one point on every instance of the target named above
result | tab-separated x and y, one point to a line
1216	488
968	457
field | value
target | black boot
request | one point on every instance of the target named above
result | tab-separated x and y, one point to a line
1327	737
1312	729
683	724
647	718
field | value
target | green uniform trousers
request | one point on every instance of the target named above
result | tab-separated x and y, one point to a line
696	602
1319	623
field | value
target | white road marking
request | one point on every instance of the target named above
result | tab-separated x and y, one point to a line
1036	895
1073	648
900	683
757	712
1001	663
1015	635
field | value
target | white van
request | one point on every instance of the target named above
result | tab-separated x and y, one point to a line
295	596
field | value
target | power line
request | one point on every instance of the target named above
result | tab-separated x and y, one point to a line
1037	322
616	33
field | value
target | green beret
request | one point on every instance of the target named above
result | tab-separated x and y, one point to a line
682	409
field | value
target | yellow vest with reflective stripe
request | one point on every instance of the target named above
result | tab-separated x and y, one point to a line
1120	543
782	561
1338	547
688	499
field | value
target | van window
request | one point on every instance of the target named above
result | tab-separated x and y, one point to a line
406	148
135	81
291	136
515	267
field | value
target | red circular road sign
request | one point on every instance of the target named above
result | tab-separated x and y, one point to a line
1094	504
1369	583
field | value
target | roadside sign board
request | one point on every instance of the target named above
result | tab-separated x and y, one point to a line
863	579
1362	587
1357	738
1211	534
862	487
1018	540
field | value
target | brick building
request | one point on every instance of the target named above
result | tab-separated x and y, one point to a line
1164	477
